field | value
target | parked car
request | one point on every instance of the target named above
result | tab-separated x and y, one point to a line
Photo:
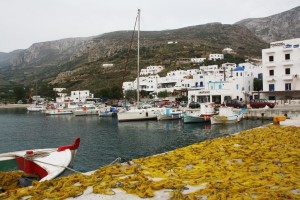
234	103
261	103
183	103
194	105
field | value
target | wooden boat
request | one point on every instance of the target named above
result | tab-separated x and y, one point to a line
199	115
45	163
169	114
227	115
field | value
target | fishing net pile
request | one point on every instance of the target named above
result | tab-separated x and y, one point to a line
262	163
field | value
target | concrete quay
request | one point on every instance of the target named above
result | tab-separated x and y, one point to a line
290	111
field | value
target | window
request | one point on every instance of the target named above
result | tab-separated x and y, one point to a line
271	87
287	71
271	72
288	86
272	98
201	84
287	56
271	58
237	86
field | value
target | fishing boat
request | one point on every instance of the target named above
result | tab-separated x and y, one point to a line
45	163
227	115
86	109
199	115
169	114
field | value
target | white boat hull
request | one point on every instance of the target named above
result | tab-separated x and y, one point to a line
46	163
138	115
227	116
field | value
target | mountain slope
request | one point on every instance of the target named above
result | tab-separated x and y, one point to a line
285	25
77	62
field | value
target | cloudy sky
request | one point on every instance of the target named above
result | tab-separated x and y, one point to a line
24	22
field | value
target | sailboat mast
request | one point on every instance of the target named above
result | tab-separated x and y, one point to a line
138	60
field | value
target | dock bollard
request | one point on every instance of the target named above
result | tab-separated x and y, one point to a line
278	119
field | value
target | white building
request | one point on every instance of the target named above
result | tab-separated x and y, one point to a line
281	70
226	82
197	60
151	70
206	84
228	51
216	57
79	96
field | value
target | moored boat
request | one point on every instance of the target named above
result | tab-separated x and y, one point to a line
199	115
227	115
86	109
36	108
45	163
138	114
58	112
169	114
108	112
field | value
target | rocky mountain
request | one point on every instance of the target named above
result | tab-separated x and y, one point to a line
78	62
49	61
285	25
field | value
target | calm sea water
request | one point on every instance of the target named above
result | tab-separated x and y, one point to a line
104	139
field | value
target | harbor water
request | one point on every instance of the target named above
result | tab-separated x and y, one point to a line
105	139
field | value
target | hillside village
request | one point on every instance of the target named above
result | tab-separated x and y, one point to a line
279	71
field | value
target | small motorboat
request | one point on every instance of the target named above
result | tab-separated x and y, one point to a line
46	164
169	114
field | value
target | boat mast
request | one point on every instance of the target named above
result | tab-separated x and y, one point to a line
138	60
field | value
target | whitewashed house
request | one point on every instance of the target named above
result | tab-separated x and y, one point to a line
281	70
223	83
216	57
151	70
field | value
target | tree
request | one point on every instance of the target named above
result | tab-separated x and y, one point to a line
130	94
162	94
257	84
19	93
144	93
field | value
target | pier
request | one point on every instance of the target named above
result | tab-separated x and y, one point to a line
290	111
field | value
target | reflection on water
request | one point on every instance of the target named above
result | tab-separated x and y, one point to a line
104	139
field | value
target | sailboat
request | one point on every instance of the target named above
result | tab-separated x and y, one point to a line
137	113
36	106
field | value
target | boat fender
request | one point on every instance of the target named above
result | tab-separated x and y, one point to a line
26	181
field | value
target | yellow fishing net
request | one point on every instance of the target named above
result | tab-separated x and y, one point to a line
262	163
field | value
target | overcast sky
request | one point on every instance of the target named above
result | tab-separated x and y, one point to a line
24	22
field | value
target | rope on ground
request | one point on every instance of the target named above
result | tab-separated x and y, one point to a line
69	168
119	160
